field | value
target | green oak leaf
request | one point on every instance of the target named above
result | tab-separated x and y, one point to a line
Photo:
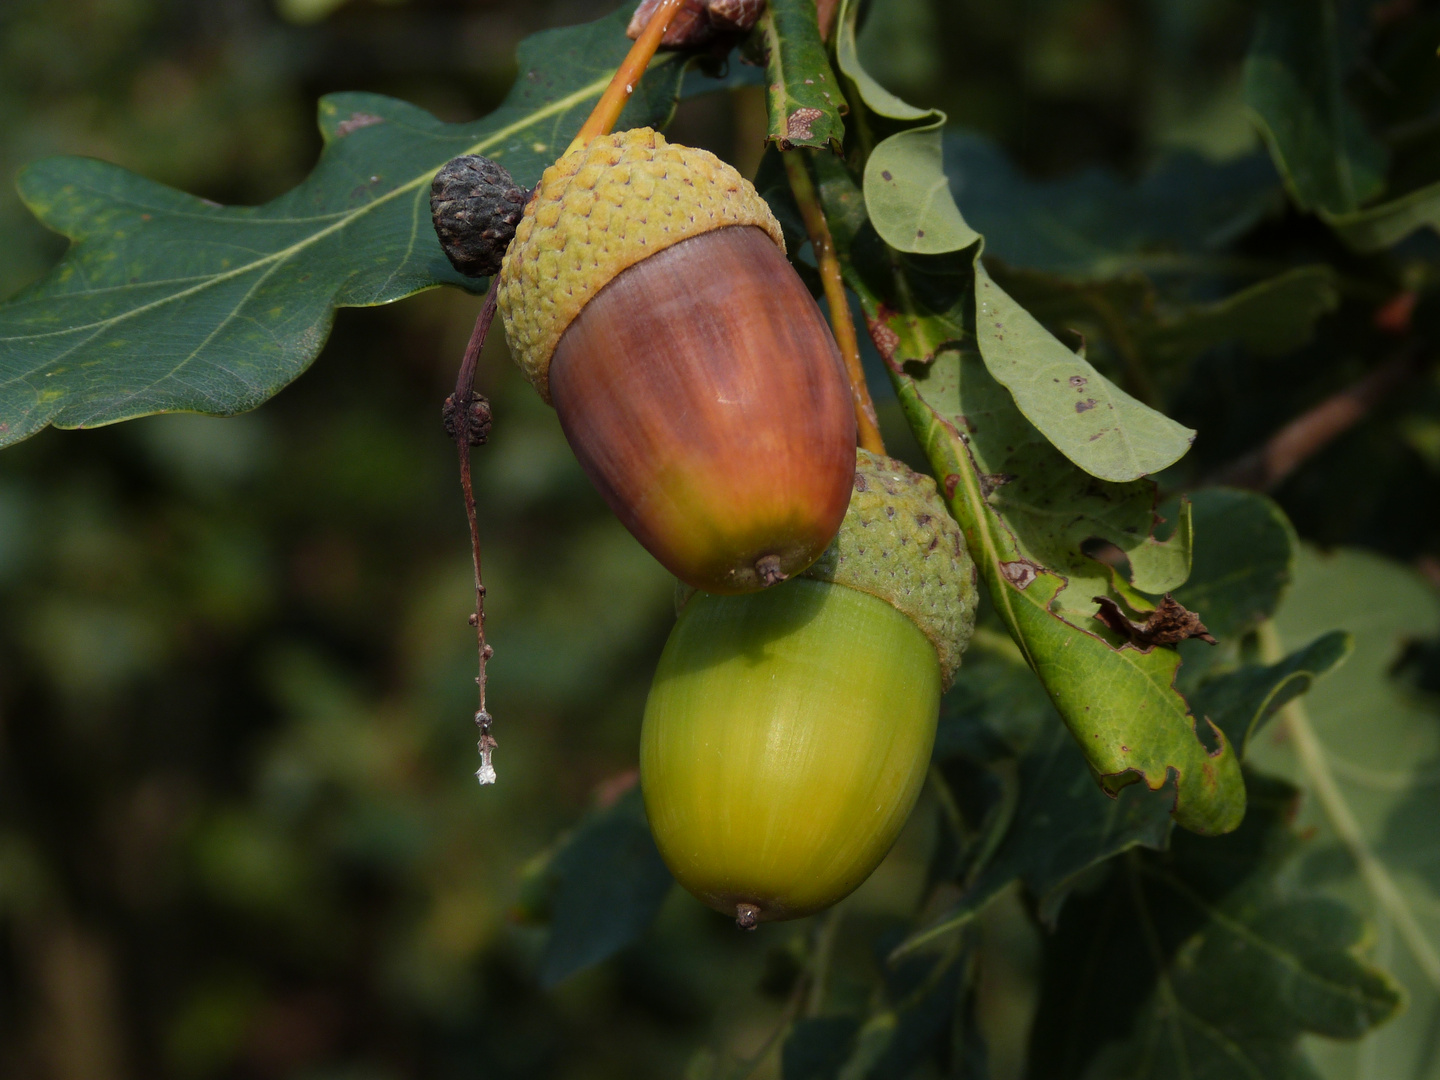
907	196
1271	317
1061	825
1215	964
1064	396
1095	225
1156	341
166	302
1240	702
1120	703
1386	224
607	883
804	99
876	98
1244	562
1295	89
1026	511
1365	745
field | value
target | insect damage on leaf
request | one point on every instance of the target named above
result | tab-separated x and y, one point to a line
798	124
1168	624
357	120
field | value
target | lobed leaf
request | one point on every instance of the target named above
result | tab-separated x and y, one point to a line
1366	745
1091	420
166	302
1386	224
1213	967
1062	826
1240	702
1273	316
1295	88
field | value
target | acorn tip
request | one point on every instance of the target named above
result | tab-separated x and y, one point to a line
767	567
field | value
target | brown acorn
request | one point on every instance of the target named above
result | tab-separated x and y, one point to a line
648	297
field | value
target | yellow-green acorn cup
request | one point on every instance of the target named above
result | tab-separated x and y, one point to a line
647	296
788	732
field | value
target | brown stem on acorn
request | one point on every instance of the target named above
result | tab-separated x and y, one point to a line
607	110
467	421
867	426
747	916
1265	467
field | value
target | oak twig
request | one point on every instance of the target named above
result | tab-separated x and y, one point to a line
866	424
1263	468
467	421
607	110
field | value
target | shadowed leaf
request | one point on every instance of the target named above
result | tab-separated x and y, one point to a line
1213	967
1243	559
1295	86
1274	316
166	302
609	885
1366	745
1095	225
1240	702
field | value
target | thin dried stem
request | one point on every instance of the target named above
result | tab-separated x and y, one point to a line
467	417
607	110
1264	468
867	426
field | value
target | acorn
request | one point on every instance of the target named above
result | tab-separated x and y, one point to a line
647	296
788	732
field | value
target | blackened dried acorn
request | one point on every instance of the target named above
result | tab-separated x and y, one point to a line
475	205
647	296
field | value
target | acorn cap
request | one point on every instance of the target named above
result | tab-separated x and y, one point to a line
603	207
900	544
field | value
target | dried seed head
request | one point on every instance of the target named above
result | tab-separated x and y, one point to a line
475	205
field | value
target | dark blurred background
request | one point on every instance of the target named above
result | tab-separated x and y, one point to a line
239	830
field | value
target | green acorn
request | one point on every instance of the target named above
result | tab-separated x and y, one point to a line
788	732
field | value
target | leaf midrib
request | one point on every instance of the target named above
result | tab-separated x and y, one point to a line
277	258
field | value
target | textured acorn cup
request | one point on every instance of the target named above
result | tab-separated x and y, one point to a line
788	733
647	295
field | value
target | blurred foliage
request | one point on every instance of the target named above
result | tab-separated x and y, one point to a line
239	830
